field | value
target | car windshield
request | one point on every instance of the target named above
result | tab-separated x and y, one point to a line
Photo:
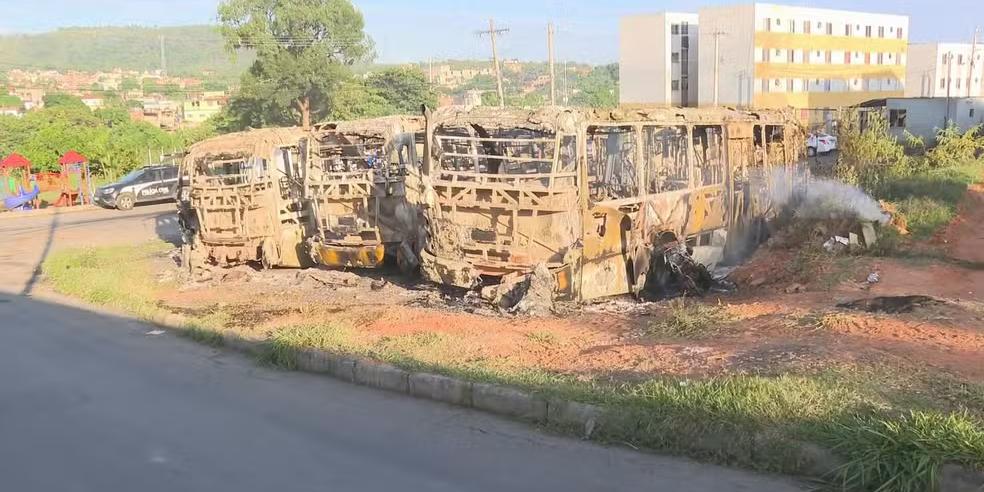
132	175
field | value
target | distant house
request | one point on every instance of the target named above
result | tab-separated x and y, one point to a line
11	111
924	117
93	102
199	109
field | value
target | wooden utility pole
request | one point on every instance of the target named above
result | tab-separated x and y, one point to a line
492	32
550	57
717	64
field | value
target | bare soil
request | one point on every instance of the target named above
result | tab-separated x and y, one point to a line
783	317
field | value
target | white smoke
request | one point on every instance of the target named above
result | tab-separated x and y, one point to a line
820	198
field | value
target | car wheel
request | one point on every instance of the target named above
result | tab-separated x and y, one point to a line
811	151
124	201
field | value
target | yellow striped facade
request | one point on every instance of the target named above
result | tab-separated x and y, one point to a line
827	71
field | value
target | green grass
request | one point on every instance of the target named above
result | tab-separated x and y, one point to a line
894	427
119	277
929	200
689	319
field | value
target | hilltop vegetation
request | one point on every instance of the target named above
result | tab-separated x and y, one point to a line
189	50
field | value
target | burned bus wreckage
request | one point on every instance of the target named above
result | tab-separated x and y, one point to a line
607	202
241	200
362	181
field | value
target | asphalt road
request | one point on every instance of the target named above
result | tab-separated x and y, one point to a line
94	402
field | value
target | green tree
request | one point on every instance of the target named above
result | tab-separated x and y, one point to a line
129	84
8	101
354	99
597	89
59	100
304	51
404	88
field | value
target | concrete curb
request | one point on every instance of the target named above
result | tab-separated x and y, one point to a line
45	212
584	419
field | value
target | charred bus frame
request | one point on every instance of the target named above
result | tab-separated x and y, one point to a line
595	196
241	199
362	182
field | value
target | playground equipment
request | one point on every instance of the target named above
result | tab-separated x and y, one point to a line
17	188
75	180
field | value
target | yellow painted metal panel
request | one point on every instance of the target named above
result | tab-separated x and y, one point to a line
827	71
818	99
799	41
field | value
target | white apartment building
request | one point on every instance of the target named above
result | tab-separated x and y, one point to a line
776	56
942	69
658	59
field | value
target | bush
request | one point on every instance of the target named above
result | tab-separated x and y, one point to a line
954	148
870	156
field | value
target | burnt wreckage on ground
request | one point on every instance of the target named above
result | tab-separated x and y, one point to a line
607	202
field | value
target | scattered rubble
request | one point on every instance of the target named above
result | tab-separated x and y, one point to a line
892	304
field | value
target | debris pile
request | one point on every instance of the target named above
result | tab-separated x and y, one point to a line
530	294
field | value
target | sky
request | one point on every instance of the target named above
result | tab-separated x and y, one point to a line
417	30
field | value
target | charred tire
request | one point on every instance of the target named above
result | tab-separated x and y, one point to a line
125	201
811	151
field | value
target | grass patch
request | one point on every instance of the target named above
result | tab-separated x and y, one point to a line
905	453
205	336
119	277
683	319
929	200
542	337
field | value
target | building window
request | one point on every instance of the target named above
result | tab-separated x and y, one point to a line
942	83
675	85
792	25
898	33
675	29
826	85
881	59
768	24
791	56
881	31
959	59
847	30
829	57
684	84
685	42
867	31
830	28
684	28
675	57
778	52
806	27
765	54
765	85
896	118
867	58
958	83
789	85
847	57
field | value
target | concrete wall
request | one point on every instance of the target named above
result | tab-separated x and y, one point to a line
921	72
925	117
646	69
931	60
735	49
643	61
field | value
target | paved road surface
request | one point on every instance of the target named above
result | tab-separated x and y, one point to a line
92	402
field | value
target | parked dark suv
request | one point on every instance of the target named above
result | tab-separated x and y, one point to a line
146	184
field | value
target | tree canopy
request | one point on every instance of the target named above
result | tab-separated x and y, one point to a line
304	51
113	143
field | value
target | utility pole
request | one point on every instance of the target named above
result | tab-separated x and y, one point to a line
492	32
566	93
163	58
550	57
949	82
717	63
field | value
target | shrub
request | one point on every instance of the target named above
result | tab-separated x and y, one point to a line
954	148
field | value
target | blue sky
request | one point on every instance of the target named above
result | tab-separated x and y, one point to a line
411	30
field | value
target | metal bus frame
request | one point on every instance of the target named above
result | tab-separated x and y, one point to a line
362	182
590	194
242	201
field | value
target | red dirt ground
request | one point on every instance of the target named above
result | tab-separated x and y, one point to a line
771	330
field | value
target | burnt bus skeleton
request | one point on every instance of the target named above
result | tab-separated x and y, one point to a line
241	200
362	182
598	198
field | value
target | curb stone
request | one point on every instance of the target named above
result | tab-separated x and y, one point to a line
813	460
